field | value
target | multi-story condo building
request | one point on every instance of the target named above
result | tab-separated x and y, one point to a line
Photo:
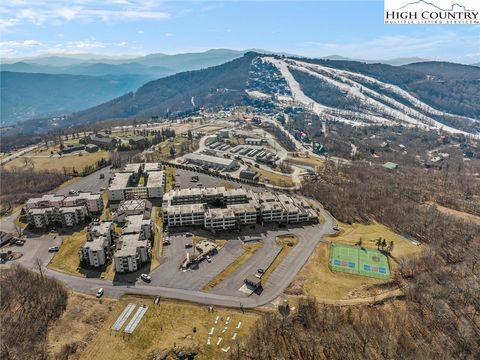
127	184
222	209
96	251
134	246
51	209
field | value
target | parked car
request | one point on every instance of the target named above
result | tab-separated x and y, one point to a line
102	189
73	192
20	242
336	228
166	242
146	277
258	276
53	249
102	176
208	258
188	234
100	293
188	246
260	271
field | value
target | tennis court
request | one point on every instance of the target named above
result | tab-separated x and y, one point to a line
358	261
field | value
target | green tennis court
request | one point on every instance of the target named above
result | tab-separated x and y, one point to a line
358	261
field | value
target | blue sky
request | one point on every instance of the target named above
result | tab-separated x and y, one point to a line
311	28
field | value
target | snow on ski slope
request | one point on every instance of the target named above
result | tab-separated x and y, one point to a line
376	107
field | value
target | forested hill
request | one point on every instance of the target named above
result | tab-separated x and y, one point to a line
26	95
216	86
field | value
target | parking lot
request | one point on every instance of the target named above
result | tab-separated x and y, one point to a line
90	183
183	179
33	249
169	274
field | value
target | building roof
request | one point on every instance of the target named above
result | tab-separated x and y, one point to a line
210	159
138	138
390	165
152	167
135	167
120	180
96	243
155	179
247	174
186	209
129	244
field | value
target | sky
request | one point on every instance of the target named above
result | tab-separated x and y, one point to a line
353	29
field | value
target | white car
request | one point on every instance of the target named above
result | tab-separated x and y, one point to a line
100	293
146	277
208	258
53	249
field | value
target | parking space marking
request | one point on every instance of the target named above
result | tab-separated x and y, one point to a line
219	340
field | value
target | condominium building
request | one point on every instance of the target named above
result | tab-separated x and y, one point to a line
137	181
132	252
96	251
51	209
222	209
93	202
134	245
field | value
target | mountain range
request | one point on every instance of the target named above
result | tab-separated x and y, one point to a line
425	94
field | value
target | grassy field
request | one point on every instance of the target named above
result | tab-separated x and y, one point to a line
172	323
58	163
273	178
77	326
169	178
250	249
177	143
67	260
158	238
316	278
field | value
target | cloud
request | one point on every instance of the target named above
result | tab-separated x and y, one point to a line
60	11
11	48
423	44
5	24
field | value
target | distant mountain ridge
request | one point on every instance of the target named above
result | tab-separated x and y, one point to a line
436	95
